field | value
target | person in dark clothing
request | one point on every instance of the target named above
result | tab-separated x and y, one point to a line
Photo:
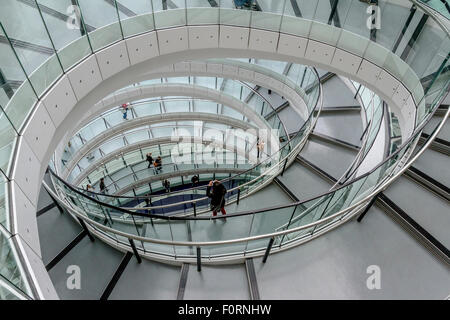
103	186
166	185
216	191
195	179
149	159
158	164
147	202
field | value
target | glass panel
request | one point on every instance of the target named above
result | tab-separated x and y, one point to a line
7	141
9	262
169	13
136	16
27	33
200	12
103	16
70	32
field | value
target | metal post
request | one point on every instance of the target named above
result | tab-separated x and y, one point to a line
136	254
194	204
269	247
367	208
239	196
284	167
199	259
83	225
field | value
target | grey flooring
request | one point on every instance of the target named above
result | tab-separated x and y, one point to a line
303	182
269	196
345	125
217	282
331	158
291	119
56	231
97	263
148	280
427	209
434	122
337	94
434	164
334	266
44	199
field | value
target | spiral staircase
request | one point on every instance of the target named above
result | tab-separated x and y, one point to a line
353	173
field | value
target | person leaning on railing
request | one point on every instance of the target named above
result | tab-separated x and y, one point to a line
217	191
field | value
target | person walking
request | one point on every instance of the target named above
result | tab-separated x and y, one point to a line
103	186
149	159
216	191
125	111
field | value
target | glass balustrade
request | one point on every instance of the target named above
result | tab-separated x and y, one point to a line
287	223
153	106
132	166
314	215
373	111
194	201
186	131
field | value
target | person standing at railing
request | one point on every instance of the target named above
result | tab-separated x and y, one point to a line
166	185
103	189
216	191
125	110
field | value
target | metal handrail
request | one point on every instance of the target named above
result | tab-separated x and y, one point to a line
357	160
138	146
178	99
427	10
381	187
244	172
400	149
